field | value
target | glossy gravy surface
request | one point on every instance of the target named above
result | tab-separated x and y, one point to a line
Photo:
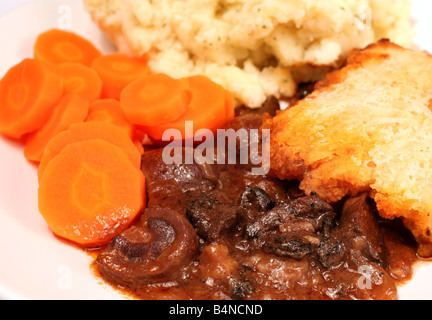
217	231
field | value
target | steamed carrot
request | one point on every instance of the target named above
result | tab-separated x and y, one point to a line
109	110
28	92
59	46
155	99
209	108
91	192
71	109
117	70
87	131
82	80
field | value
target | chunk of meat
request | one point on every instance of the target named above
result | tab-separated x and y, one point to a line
292	230
357	238
211	215
254	202
168	184
288	246
357	244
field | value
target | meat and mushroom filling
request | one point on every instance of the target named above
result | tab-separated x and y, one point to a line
217	231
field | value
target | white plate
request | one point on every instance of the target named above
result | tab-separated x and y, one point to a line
33	263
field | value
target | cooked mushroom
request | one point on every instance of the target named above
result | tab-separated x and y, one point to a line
155	249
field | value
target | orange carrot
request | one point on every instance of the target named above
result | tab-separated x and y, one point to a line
82	80
28	92
155	99
91	192
88	131
109	110
59	46
208	109
139	145
117	70
71	109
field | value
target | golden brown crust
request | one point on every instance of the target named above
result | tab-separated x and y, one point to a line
367	126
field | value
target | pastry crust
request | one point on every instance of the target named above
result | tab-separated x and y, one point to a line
367	126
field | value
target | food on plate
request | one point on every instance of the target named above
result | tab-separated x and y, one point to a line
60	46
81	80
109	110
155	99
118	70
217	231
253	48
71	109
209	107
90	192
366	128
89	131
88	148
28	92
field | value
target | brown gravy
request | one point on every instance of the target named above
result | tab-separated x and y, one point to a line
219	232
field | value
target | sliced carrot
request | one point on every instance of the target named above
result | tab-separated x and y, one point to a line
88	131
155	99
109	110
91	192
71	109
59	46
208	109
28	92
117	70
82	80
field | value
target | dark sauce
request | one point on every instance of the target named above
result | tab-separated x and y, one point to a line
216	231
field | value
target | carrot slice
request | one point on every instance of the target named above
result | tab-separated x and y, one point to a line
208	109
59	46
28	92
155	99
88	131
140	139
71	109
82	80
109	110
91	192
117	70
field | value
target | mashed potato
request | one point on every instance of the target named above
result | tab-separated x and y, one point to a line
254	48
